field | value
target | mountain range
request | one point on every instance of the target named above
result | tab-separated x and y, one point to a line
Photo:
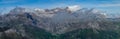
58	23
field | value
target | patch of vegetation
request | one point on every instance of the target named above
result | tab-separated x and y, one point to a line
77	34
37	33
90	34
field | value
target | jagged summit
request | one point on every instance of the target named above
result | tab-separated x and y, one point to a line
68	9
18	10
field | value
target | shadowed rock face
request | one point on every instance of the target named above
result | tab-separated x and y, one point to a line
11	26
2	29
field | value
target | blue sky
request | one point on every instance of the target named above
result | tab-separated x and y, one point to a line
108	6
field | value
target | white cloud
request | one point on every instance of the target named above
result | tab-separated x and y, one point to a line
74	8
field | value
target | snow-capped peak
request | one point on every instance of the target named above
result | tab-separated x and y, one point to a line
39	10
95	10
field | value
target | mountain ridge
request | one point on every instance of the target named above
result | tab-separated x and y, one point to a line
57	22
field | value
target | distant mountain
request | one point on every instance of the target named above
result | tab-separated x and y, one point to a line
58	23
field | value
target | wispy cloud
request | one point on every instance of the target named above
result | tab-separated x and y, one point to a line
109	5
